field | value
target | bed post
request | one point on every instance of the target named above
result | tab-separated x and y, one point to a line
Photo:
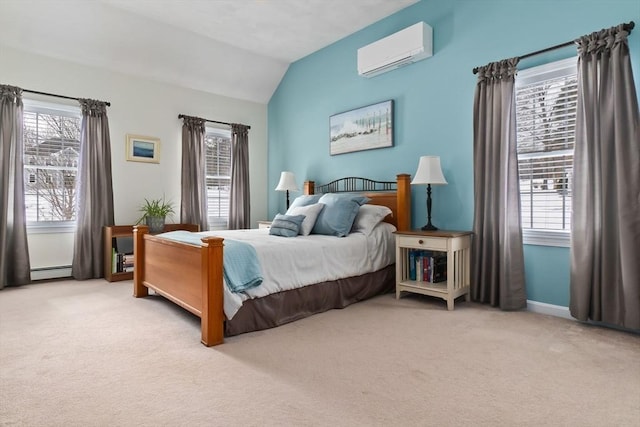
404	201
139	290
212	314
309	187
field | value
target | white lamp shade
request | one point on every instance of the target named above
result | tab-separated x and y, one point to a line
287	182
429	171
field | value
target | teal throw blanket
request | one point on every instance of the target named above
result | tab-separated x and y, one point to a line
240	264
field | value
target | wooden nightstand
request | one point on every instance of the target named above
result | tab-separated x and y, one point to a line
264	224
434	263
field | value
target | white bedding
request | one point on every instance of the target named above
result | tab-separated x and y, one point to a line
305	260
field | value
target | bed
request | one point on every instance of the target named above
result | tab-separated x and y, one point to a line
191	274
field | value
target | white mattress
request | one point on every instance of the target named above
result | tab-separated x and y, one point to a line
289	263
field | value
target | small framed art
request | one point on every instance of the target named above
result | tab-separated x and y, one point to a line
364	128
143	149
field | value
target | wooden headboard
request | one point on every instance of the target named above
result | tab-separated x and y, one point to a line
396	195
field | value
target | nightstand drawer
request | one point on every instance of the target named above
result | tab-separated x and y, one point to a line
422	242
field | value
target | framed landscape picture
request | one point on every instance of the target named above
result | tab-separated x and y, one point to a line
364	128
143	149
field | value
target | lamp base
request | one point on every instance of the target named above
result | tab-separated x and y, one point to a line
429	226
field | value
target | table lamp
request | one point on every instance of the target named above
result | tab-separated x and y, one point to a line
429	172
287	183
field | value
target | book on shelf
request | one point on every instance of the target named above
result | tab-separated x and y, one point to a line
412	264
439	268
427	266
426	269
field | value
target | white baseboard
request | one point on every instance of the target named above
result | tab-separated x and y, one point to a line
564	312
50	272
550	309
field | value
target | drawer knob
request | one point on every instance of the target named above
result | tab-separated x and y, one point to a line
421	241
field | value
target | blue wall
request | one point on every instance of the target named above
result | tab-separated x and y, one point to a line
433	104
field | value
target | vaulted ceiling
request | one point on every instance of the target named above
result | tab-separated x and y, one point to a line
235	48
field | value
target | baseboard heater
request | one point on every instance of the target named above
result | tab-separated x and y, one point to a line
45	273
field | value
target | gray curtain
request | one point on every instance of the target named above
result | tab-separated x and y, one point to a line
605	226
94	191
239	211
193	199
15	268
497	252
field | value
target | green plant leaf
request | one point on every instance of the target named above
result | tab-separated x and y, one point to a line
156	207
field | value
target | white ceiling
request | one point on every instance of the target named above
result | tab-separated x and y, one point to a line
236	48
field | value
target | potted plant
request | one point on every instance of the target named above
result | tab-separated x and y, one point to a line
155	212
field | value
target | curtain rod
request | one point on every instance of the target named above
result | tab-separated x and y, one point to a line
182	116
57	96
627	27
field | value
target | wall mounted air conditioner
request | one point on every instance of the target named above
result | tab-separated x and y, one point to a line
405	47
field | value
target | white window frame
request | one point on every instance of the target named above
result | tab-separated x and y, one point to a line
226	132
31	105
546	237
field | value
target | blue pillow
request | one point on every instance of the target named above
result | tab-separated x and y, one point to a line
305	200
331	197
286	225
338	214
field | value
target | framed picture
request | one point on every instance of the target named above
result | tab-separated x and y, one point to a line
364	128
143	149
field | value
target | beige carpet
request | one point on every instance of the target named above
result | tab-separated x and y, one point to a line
89	354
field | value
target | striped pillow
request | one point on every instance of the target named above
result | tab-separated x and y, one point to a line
286	225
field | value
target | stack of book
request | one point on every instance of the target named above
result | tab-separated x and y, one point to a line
427	266
122	255
121	263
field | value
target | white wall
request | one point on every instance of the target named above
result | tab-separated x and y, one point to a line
143	107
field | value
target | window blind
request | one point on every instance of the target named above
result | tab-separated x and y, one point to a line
545	115
218	177
51	148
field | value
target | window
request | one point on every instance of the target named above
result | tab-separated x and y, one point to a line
218	176
545	117
51	135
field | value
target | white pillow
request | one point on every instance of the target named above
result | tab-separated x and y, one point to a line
368	217
310	213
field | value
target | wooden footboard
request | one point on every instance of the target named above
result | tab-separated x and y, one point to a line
188	275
